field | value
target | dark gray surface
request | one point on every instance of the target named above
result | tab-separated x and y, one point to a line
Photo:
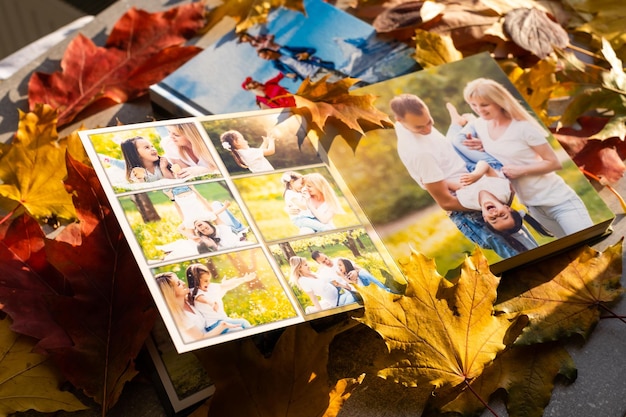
599	391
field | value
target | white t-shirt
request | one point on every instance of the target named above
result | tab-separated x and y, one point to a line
429	158
193	209
172	153
327	292
214	296
193	320
513	147
294	199
499	187
255	160
228	239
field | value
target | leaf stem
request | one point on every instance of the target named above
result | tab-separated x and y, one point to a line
611	189
469	386
8	216
585	52
611	315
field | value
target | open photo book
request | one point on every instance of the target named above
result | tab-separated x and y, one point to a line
248	222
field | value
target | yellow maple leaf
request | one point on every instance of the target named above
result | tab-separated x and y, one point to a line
32	168
441	332
248	13
525	373
29	381
564	295
432	49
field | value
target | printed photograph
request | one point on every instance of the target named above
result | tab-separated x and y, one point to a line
182	376
160	155
186	220
274	57
261	142
293	203
223	294
325	271
467	164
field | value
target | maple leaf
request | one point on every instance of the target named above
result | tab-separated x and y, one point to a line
248	13
141	49
564	295
441	332
354	114
87	304
602	159
527	375
29	381
432	49
292	381
537	85
32	168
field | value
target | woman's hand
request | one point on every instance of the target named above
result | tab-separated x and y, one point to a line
190	172
473	143
514	171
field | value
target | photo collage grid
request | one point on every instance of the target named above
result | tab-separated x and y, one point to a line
238	225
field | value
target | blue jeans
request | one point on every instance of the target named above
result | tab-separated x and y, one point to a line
470	156
310	223
243	322
472	225
345	297
367	278
228	218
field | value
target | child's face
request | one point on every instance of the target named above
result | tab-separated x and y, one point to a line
297	184
146	150
342	268
496	213
204	228
240	142
204	282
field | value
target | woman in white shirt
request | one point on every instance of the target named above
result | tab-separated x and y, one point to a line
509	133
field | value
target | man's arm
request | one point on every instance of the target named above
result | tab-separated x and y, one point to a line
440	193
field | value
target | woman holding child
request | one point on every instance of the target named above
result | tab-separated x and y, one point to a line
189	320
509	133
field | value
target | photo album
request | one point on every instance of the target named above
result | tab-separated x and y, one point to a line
254	69
247	222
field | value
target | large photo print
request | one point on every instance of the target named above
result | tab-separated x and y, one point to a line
466	164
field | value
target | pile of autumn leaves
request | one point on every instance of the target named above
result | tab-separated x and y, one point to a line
79	311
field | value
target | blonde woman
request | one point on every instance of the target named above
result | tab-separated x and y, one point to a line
509	133
186	148
190	322
322	293
321	198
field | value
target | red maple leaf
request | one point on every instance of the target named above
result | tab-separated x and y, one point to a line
141	50
87	303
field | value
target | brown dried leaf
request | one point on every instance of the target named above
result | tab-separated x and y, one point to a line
534	31
354	114
563	296
293	381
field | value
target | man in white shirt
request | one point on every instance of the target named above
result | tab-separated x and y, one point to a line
432	161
